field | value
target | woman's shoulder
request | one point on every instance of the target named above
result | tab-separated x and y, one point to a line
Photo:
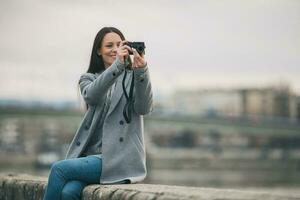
88	75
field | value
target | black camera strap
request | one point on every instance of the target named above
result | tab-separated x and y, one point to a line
128	108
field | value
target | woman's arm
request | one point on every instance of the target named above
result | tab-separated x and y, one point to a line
94	89
143	100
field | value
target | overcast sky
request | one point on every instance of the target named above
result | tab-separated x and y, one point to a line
45	45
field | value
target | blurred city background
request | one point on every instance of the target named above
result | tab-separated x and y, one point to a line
225	78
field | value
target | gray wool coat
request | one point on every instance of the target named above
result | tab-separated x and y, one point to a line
123	147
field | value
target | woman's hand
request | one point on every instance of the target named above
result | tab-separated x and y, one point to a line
138	60
123	51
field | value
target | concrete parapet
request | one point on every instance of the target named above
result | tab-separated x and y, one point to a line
28	187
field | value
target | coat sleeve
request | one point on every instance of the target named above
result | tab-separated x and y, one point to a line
93	89
143	98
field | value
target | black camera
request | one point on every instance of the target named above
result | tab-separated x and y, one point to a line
138	46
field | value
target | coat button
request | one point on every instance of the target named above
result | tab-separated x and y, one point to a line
121	139
86	127
77	143
121	122
142	80
114	74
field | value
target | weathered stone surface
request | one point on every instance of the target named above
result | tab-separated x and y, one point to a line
27	187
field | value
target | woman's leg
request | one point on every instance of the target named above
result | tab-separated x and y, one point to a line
72	190
85	169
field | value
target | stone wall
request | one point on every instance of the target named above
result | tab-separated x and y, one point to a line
27	187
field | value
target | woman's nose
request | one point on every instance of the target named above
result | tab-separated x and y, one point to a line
114	49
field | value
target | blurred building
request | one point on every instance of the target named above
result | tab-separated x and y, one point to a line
277	101
11	139
273	101
206	102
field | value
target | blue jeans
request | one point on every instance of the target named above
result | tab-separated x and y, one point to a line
68	177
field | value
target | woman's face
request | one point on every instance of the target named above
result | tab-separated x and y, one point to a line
108	50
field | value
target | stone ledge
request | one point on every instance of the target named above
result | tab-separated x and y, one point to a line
28	187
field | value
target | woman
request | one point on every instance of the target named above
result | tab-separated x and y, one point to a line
108	147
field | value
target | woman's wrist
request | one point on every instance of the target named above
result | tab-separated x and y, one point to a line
119	63
141	70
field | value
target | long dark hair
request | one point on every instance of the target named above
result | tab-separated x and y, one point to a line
96	62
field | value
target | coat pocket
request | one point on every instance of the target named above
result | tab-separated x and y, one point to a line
137	143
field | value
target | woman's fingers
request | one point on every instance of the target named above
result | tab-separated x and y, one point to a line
135	53
139	60
123	42
139	55
122	52
127	48
123	45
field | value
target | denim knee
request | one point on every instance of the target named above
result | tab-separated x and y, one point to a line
72	190
56	169
55	165
69	195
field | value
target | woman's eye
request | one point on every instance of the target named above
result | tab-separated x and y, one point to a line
109	46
